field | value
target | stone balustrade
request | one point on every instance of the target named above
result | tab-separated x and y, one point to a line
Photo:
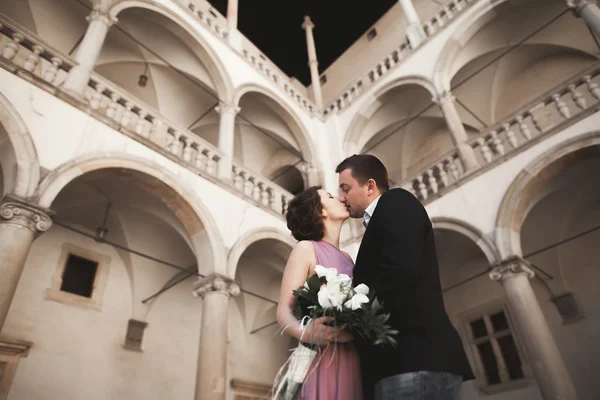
260	189
217	23
436	23
208	16
24	54
554	110
20	47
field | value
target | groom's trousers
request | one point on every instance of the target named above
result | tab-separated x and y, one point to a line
422	385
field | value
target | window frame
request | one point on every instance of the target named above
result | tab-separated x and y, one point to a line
93	302
485	312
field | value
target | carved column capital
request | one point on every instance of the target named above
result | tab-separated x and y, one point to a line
18	212
443	98
511	267
227	108
216	284
578	5
103	16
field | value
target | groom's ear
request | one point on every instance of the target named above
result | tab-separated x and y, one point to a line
371	186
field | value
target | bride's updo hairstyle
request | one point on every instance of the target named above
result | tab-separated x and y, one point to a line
305	215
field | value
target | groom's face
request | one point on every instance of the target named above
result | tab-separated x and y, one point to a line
354	195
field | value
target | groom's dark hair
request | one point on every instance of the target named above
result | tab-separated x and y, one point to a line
364	167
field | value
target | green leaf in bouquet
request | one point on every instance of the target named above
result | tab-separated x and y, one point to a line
314	283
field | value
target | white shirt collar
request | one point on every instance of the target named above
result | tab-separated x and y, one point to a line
371	209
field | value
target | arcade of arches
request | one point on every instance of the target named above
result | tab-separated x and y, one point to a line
126	275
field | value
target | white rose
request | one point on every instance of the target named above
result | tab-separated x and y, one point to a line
323	297
362	289
356	301
320	270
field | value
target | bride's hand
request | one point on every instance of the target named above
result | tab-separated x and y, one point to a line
344	336
318	332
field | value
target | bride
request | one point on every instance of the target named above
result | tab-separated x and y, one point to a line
315	219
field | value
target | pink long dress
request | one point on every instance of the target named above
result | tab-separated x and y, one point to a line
335	373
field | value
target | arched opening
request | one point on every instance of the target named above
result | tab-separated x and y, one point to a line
256	349
114	231
149	53
562	49
397	130
290	178
559	234
268	137
477	307
19	165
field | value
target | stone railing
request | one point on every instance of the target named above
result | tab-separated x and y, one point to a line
217	23
208	16
558	108
260	189
25	55
433	25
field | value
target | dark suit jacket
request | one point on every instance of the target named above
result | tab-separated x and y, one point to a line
397	259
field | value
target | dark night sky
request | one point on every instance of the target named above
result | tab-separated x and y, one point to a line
274	26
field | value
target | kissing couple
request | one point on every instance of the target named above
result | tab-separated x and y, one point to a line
398	260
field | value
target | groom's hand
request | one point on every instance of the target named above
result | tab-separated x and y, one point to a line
319	332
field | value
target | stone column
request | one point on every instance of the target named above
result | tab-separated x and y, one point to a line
232	15
308	26
542	351
310	174
215	291
414	28
226	139
20	223
457	131
589	11
88	51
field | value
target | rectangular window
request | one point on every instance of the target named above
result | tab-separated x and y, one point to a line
493	340
79	276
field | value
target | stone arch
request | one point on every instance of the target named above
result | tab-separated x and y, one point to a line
248	239
486	245
520	197
442	74
27	165
298	128
185	205
371	104
205	52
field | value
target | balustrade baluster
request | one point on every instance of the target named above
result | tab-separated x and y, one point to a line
454	169
140	125
486	153
97	96
433	184
561	106
525	131
592	87
211	163
175	146
33	58
188	149
126	116
442	173
12	48
238	179
421	187
496	143
510	135
257	190
52	70
111	111
201	160
577	97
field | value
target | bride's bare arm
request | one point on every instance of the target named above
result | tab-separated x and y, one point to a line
297	269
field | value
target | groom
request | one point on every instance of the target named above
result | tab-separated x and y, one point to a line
397	259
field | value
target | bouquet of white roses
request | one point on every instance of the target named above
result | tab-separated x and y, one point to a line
329	294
